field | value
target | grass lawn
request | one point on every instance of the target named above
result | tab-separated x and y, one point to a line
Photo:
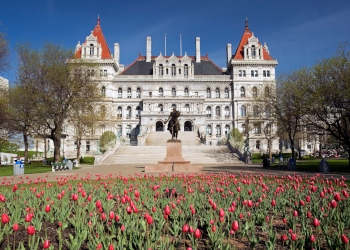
7	170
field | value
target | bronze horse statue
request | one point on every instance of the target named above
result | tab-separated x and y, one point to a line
174	124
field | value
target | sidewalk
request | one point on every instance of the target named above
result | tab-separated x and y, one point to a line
130	169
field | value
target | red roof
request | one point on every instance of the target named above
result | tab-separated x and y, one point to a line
97	32
239	55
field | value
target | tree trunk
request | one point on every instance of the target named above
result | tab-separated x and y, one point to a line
270	151
26	146
45	147
293	149
349	154
57	147
78	148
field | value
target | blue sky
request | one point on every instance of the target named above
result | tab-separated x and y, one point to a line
298	32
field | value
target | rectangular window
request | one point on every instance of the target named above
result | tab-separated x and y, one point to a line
150	94
105	72
256	73
243	73
101	72
266	73
252	73
240	73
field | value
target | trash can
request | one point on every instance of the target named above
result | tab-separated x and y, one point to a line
18	168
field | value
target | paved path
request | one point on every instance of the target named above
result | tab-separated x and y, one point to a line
131	169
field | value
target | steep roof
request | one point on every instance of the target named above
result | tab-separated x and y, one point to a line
141	67
97	32
239	55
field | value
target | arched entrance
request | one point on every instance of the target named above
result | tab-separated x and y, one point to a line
159	126
188	126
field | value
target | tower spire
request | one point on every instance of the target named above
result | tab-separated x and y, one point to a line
246	25
98	19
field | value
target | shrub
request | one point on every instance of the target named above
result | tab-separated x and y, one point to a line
107	141
87	159
257	156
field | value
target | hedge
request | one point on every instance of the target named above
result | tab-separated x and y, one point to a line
87	159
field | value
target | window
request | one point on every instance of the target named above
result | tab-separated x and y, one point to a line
268	110
128	112
87	146
98	51
129	93
173	105
119	130
160	108
243	110
120	93
103	91
268	129
257	144
84	51
218	130
255	111
217	111
179	71
217	93
105	72
103	111
242	92
226	93
209	130
253	51
267	92
128	131
186	70
91	49
255	92
196	93
227	129
241	73
161	69
186	92
257	128
150	94
173	92
227	112
138	93
173	70
187	108
208	111
254	73
266	73
167	71
160	92
138	111
101	72
208	93
119	112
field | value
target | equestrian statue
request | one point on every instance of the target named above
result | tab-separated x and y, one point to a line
174	124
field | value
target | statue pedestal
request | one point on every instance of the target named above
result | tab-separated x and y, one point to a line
173	160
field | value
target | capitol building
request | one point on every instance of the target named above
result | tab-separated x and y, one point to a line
212	100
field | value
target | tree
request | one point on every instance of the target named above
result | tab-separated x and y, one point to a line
107	140
327	96
54	82
4	52
236	140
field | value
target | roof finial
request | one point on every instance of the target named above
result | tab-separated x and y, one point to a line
98	19
246	25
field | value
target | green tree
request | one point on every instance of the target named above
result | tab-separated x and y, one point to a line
4	52
107	141
236	139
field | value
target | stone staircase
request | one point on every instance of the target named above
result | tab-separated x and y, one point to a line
154	150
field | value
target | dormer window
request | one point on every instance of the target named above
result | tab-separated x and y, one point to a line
253	50
173	70
91	49
186	70
161	69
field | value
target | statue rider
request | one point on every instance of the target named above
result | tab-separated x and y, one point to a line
173	120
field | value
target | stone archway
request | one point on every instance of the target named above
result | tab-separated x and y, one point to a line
188	126
159	126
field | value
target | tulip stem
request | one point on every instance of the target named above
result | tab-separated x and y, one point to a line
14	240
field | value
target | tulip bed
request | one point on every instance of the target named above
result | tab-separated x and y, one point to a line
197	211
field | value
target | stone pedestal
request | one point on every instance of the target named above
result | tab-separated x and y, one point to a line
173	160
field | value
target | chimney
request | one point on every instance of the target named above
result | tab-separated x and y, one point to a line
198	50
116	52
228	52
148	49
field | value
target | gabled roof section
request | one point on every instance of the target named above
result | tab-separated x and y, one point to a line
97	32
239	55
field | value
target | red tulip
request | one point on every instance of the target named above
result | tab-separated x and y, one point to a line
273	203
235	226
346	195
312	238
213	228
344	239
137	193
284	237
117	218
98	204
46	244
309	214
316	222
111	215
185	228
129	210
308	198
197	233
336	196
154	209
111	247
294	237
295	213
122	228
5	218
15	227
47	208
149	220
222	212
28	218
333	204
30	230
167	210
2	198
74	197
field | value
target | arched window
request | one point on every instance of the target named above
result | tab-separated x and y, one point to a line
267	92
242	92
129	93
209	130
226	93
268	110
120	93
103	111
128	112
173	105
173	92
128	131
187	108
253	50
257	144
217	93
218	130
227	112
119	112
173	70
186	92
138	93
161	69
208	111
227	129
186	70
255	111
243	110
91	49
160	92
217	111
103	91
208	93
267	129
138	112
160	107
255	92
